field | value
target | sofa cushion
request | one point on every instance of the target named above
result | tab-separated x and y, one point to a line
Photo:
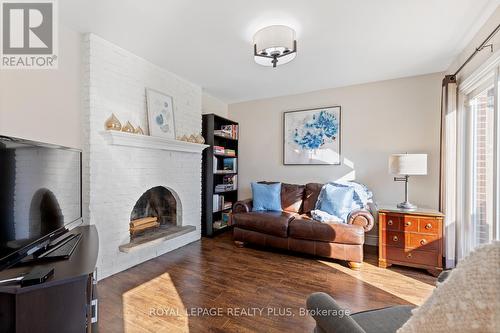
311	196
271	223
292	196
326	232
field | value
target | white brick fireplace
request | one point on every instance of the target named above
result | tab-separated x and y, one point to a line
119	167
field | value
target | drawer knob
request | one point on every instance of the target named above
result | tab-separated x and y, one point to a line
395	238
423	242
407	223
428	226
389	222
408	255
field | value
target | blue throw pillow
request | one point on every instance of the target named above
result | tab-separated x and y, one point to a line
266	197
336	200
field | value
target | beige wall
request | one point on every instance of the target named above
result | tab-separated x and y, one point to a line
44	105
377	119
211	104
478	38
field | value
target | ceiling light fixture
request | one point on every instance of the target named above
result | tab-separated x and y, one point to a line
274	45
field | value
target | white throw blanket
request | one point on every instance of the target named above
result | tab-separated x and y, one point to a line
467	301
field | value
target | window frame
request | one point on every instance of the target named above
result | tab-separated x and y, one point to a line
472	86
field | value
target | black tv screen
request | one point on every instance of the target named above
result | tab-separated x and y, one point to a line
40	193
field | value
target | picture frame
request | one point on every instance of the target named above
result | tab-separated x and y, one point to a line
160	109
312	136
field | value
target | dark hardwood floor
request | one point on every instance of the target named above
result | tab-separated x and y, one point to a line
211	285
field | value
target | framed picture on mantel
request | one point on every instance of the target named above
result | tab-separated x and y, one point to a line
312	137
160	114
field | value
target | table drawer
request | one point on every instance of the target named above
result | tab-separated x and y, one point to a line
427	242
429	226
410	223
391	222
412	256
393	238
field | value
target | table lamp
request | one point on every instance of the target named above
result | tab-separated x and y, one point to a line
407	165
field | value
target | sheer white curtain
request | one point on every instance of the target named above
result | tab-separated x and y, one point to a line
469	160
449	166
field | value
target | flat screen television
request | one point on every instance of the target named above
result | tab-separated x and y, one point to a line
40	195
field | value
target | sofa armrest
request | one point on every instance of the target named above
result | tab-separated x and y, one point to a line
361	217
242	206
329	316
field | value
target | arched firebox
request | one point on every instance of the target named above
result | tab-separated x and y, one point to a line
156	209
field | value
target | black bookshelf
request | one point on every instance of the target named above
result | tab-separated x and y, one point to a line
211	178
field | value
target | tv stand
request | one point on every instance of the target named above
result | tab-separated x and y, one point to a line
63	303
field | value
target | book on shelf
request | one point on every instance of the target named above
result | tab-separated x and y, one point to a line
219	150
230	164
223	172
222	133
227	165
231	130
219	203
231	179
227	219
229	152
219	225
224	188
228	131
216	166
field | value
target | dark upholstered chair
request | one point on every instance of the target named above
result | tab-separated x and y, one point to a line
325	311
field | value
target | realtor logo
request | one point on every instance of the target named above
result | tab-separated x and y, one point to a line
29	34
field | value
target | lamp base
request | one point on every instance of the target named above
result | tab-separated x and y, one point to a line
406	206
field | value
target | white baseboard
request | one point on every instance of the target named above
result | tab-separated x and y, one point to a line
371	240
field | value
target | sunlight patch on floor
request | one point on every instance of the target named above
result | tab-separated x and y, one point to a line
407	288
156	303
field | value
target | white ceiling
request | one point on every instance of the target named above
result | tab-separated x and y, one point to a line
340	42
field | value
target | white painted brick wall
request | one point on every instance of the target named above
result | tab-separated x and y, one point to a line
114	177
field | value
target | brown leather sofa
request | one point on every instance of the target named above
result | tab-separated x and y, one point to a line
294	229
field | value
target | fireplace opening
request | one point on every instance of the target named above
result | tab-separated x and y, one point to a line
155	210
155	218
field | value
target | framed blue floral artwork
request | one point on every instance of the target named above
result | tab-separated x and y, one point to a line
312	136
160	114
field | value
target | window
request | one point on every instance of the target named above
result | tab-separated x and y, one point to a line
470	172
482	109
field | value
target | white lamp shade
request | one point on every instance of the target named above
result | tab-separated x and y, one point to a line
408	164
275	39
274	36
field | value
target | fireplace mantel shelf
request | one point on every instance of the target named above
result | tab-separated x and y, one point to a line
151	142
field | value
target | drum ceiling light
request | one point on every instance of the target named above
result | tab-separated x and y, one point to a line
274	45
